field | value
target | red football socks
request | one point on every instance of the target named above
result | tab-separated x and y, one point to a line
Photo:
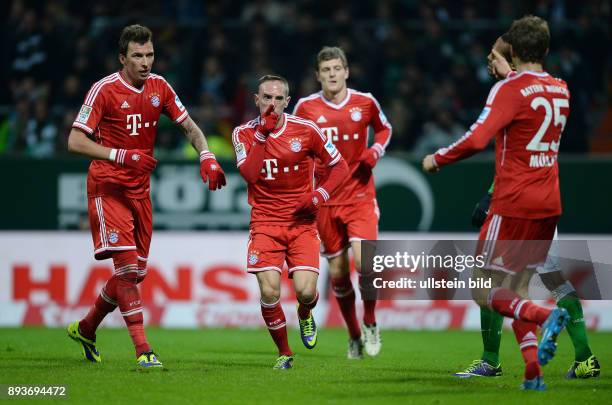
527	339
274	317
510	304
345	295
130	306
305	307
105	304
128	298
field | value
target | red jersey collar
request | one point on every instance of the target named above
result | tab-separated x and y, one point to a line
129	86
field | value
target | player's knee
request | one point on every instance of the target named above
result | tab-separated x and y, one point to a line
306	295
306	292
270	294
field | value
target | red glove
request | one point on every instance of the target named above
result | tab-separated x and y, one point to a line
211	171
267	123
367	161
369	158
135	159
309	205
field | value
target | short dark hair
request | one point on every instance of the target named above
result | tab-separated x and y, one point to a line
134	33
530	38
273	78
506	51
329	53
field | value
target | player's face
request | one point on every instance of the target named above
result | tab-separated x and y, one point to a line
272	92
137	61
332	75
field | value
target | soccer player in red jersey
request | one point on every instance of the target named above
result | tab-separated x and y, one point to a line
585	364
121	113
352	214
526	113
275	154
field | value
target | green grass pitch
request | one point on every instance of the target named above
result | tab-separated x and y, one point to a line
234	366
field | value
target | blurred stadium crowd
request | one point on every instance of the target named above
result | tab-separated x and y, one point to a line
425	61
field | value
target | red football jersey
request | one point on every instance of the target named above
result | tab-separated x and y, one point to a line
347	125
526	113
288	169
124	117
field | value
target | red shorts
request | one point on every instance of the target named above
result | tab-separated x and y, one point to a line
341	224
271	245
120	223
511	244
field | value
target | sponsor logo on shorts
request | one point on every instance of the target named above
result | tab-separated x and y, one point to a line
355	114
84	114
253	258
113	236
295	144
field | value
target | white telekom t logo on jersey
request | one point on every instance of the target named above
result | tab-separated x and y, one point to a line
135	118
271	166
330	132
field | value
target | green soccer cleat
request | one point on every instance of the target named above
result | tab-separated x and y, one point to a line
88	346
149	360
308	331
480	368
584	369
283	363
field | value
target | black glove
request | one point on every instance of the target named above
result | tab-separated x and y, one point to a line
481	210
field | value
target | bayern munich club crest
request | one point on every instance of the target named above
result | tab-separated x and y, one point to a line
253	258
155	101
355	114
295	144
113	236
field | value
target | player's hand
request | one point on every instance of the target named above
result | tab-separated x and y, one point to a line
211	171
481	210
135	159
309	205
267	123
499	65
429	164
369	158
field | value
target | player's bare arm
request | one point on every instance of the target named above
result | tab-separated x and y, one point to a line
136	159
79	142
210	170
194	134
